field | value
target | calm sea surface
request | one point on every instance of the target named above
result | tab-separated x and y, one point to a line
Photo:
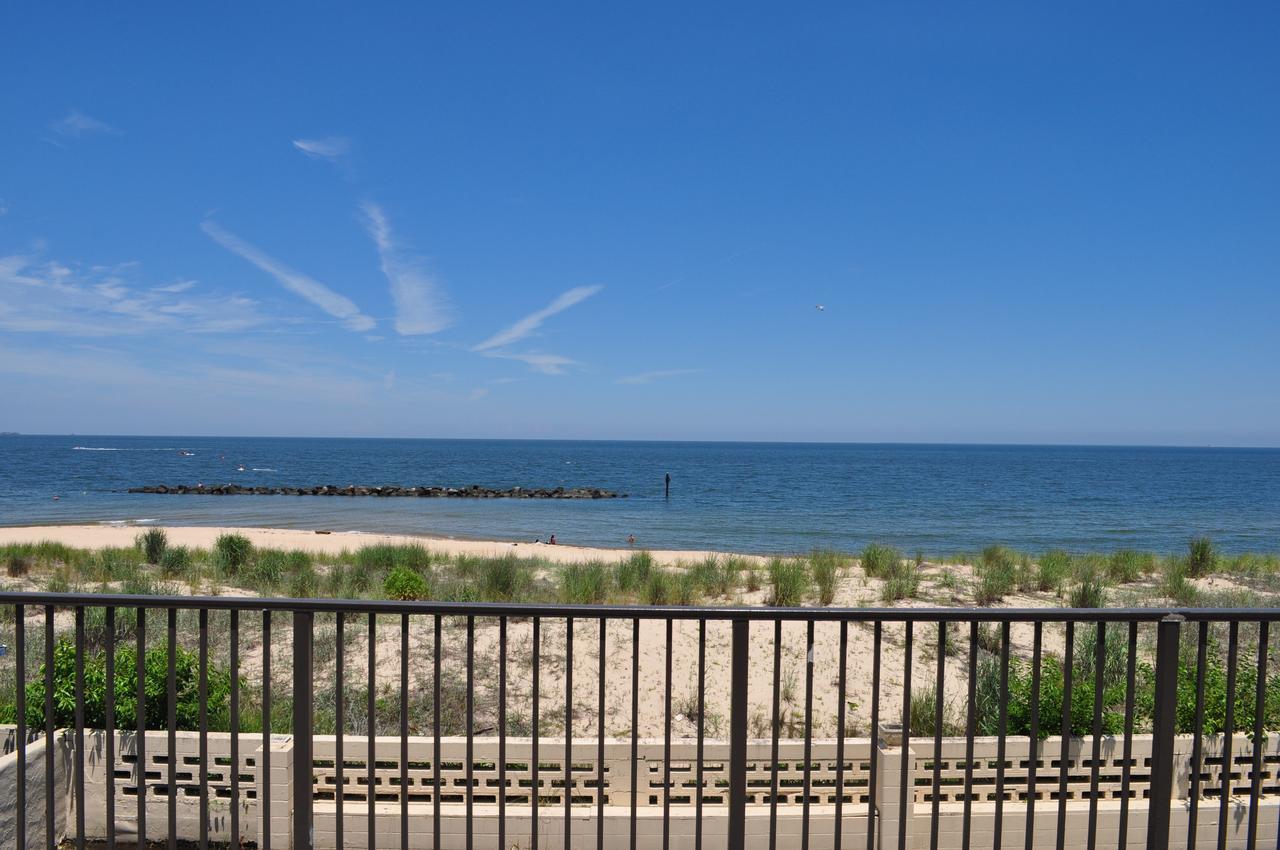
752	497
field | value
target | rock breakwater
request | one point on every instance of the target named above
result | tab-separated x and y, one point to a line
475	491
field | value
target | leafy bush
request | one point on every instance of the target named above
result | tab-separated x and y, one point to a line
788	580
153	542
405	585
997	575
155	685
232	551
1201	557
826	566
878	561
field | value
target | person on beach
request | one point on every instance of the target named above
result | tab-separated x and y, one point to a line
631	540
551	541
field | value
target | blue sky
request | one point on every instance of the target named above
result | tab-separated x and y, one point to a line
1025	224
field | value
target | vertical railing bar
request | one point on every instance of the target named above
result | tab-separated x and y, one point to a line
939	702
969	729
635	732
1033	741
235	727
437	643
904	786
1002	730
841	681
739	681
371	761
1197	740
502	733
20	699
471	729
600	709
568	732
48	727
536	791
78	766
875	735
666	747
340	727
303	790
1228	732
1122	840
777	732
140	719
702	704
109	718
1259	712
1163	724
203	694
808	735
171	721
404	731
1099	664
1064	759
264	789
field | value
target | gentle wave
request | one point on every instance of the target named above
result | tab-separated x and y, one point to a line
111	449
264	469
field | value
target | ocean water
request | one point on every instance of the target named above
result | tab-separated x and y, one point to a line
750	497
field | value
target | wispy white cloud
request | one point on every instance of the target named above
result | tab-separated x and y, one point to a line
547	364
335	304
533	321
76	124
421	308
477	394
38	296
180	286
330	147
650	377
4	207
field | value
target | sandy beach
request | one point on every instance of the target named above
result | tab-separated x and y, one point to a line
332	543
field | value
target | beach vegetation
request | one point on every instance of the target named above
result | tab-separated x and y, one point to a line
1053	570
17	566
826	566
152	542
584	584
901	581
1128	565
1176	583
405	585
658	588
632	575
923	715
505	579
752	581
175	561
385	557
232	551
1088	593
1202	559
877	561
997	575
788	580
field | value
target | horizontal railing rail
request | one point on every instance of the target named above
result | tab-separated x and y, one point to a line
98	752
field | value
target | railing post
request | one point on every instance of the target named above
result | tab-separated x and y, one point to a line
1162	727
303	790
738	736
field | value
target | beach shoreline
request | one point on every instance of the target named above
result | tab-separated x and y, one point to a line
98	536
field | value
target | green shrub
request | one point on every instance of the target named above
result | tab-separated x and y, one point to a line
826	566
232	552
658	588
17	566
924	714
1201	557
114	563
686	590
902	581
753	579
405	585
175	561
1054	568
788	580
1089	593
584	584
385	557
1177	583
714	576
878	561
504	579
633	574
152	542
997	575
304	583
155	685
1129	565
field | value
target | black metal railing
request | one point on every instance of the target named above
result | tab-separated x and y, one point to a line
904	786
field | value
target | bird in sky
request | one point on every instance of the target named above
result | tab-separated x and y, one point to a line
820	308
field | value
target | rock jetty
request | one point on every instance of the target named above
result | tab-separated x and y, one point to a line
475	491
